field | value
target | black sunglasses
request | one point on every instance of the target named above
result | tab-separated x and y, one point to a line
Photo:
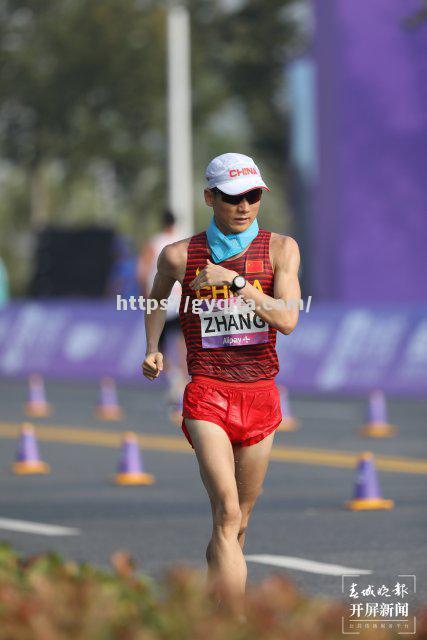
251	196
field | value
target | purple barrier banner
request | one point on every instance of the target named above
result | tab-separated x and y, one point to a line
369	224
334	349
71	339
343	349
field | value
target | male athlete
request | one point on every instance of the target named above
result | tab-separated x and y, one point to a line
231	406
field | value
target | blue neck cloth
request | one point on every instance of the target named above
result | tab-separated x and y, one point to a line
223	247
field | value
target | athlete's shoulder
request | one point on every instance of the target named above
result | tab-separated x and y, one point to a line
174	255
283	242
284	250
175	250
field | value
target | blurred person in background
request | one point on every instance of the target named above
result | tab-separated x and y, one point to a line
171	342
4	285
123	278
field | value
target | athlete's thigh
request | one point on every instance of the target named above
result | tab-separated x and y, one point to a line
215	457
251	465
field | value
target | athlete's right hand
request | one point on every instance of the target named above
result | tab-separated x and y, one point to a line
152	365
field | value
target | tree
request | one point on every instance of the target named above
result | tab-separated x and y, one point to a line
239	57
83	87
80	81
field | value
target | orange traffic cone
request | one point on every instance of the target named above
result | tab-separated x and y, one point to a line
377	425
130	470
108	407
37	405
367	494
27	456
289	422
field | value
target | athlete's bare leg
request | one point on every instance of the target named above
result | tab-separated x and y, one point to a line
226	564
251	465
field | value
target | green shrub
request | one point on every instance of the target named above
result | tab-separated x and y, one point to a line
48	598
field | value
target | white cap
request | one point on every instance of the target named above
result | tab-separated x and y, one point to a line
234	173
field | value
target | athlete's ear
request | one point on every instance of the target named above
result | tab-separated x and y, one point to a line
209	197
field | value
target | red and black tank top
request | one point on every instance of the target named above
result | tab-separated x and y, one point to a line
224	342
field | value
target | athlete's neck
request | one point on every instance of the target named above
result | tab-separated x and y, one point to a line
225	230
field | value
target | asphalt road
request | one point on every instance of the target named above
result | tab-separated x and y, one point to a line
300	514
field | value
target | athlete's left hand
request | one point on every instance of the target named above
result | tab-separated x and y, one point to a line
212	275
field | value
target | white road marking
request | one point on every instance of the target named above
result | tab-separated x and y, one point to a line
37	527
301	564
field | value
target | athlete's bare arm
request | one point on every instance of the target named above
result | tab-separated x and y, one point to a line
145	260
170	268
281	311
285	259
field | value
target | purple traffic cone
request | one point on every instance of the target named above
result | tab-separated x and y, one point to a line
27	456
37	405
367	493
108	407
289	422
130	469
377	425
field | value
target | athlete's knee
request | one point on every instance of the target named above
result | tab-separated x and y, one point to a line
227	514
246	508
242	531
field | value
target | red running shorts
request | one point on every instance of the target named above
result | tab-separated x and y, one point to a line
247	411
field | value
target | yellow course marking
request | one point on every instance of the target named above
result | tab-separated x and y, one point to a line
298	455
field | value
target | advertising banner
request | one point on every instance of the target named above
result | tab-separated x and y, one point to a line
334	349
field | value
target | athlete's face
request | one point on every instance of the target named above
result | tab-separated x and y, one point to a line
233	218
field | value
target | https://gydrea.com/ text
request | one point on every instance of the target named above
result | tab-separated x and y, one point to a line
203	305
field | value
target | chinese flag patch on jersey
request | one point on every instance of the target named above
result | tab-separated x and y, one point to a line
254	266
